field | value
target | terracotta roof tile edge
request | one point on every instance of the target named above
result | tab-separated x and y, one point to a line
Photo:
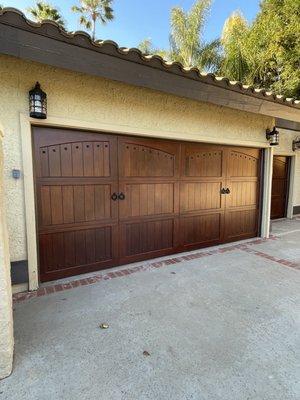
190	72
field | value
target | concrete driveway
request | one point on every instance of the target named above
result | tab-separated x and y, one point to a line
222	323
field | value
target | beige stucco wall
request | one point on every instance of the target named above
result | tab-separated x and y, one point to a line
115	106
6	319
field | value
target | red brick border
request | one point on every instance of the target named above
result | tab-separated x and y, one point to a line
266	256
43	291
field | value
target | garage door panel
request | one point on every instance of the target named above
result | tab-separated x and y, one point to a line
147	199
243	163
196	196
138	238
279	186
76	174
242	203
278	207
67	204
146	158
63	250
201	161
201	229
280	167
240	224
243	194
148	178
89	159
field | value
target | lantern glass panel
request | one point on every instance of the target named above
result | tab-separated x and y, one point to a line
37	103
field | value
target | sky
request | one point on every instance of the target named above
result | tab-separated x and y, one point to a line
136	20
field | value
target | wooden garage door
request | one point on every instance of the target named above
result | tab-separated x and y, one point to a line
279	186
76	175
104	200
148	215
219	194
203	175
242	203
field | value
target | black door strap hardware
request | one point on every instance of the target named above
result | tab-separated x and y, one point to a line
225	191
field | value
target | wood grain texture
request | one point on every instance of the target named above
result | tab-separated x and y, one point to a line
169	198
202	177
280	184
148	216
242	203
76	174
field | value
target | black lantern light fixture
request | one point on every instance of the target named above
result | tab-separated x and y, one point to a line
273	136
296	144
37	102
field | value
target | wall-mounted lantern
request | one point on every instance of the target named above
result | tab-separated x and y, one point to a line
296	144
37	102
273	136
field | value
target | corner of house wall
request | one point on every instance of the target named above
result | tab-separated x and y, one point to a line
6	317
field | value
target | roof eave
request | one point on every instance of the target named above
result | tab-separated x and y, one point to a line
48	44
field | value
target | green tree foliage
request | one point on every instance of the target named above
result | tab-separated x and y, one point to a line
234	35
147	48
186	44
43	11
92	11
268	52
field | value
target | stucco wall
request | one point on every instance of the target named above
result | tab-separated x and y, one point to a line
86	98
6	319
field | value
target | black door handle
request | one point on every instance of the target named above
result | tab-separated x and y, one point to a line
121	196
227	191
223	191
114	196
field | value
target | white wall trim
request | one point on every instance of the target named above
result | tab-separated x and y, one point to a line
26	124
267	192
31	238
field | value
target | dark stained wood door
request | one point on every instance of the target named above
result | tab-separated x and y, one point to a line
105	200
242	201
280	185
76	175
203	175
148	215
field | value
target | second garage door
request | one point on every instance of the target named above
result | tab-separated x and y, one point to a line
104	200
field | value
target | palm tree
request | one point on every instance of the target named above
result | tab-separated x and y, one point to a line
93	10
147	48
234	35
43	11
186	44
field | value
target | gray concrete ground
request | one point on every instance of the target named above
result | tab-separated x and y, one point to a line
223	327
